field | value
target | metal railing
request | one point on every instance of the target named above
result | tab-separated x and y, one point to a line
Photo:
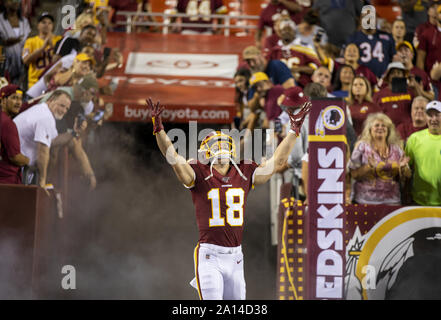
241	21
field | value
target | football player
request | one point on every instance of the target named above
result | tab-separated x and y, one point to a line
219	191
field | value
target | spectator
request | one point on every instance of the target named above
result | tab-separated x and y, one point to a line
101	11
343	80
360	102
14	30
75	123
392	99
414	13
194	8
301	60
424	149
398	30
378	164
124	5
265	96
241	82
84	19
429	45
73	45
36	129
419	80
272	40
377	49
323	76
435	75
38	50
82	65
431	23
276	70
272	12
64	64
418	118
338	18
11	158
308	30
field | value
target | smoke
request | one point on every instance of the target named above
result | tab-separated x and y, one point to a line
134	236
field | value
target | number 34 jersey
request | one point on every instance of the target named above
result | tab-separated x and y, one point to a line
220	202
376	51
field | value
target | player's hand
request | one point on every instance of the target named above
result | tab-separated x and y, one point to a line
296	120
155	110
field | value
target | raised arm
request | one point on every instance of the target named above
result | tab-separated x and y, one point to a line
264	172
184	172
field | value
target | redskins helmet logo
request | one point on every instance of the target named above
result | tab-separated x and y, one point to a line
214	143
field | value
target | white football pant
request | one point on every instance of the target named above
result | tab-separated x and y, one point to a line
219	272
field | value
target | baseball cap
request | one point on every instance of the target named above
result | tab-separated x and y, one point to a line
294	97
405	43
84	57
46	15
436	105
10	89
250	52
394	65
88	81
258	76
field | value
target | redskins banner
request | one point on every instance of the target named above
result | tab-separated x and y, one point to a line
326	196
391	252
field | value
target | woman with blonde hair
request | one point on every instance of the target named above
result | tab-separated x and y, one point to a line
378	163
360	103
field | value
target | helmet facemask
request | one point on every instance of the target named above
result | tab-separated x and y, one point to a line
219	148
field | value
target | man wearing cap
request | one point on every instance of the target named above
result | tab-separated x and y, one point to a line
429	46
395	102
37	128
277	71
424	150
38	50
265	96
419	81
11	158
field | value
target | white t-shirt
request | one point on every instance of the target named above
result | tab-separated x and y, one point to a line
37	124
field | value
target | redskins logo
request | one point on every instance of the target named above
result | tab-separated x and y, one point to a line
333	117
409	232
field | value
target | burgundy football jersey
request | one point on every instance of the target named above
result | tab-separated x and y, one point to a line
203	7
360	112
430	42
395	105
220	202
405	129
295	56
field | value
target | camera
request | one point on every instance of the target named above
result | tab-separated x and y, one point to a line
319	35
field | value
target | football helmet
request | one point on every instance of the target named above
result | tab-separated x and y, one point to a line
217	145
